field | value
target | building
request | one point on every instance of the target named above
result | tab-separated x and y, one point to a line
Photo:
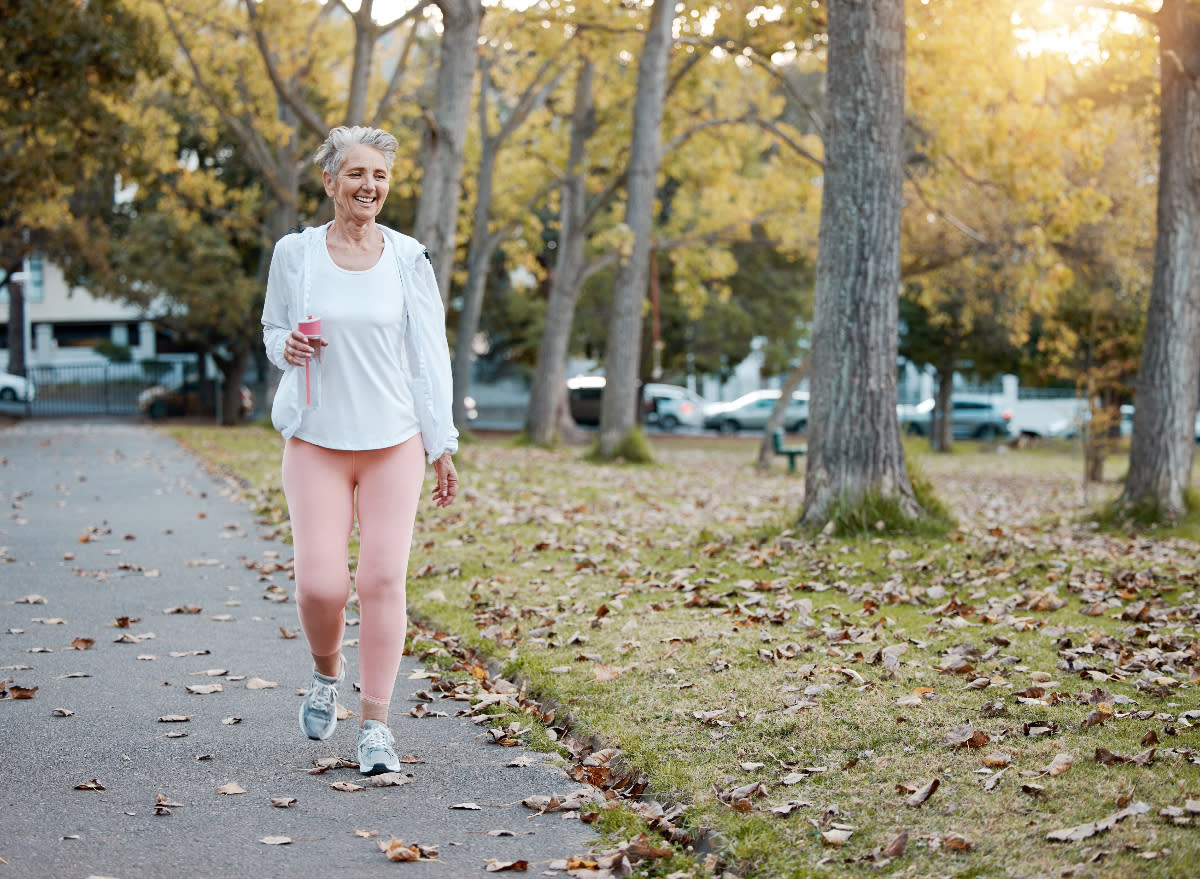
65	324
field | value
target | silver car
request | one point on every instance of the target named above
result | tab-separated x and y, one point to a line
751	411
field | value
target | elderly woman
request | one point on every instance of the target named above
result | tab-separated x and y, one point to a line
358	447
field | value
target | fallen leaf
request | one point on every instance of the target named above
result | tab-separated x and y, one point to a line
204	689
19	692
260	684
230	721
288	634
966	736
390	779
276	840
175	718
997	759
83	643
90	785
958	842
836	836
62	712
230	789
283	802
469	806
920	796
1060	764
1085	831
897	844
347	786
494	866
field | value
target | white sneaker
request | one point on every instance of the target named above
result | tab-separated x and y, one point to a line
375	752
318	714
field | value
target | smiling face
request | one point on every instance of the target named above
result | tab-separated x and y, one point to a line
361	185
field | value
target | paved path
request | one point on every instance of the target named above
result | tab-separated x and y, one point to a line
111	520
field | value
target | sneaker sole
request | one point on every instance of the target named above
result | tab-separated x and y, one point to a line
304	729
377	769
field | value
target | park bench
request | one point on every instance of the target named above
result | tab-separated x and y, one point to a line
791	451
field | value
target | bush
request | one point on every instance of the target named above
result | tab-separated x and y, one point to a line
113	352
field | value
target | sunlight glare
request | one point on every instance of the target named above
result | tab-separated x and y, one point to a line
1060	28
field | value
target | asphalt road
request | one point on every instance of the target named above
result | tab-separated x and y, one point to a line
112	520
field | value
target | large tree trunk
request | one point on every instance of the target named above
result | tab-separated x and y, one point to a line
1168	383
442	150
547	400
853	435
623	349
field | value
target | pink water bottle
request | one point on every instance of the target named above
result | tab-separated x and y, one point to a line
312	366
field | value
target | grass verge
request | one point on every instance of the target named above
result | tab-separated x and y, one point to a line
910	705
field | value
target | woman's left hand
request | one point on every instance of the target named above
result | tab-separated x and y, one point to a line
446	489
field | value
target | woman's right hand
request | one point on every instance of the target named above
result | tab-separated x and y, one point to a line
296	348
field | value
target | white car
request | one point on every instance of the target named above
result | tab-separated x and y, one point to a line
751	411
15	387
672	406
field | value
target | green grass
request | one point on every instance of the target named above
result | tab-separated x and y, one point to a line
737	649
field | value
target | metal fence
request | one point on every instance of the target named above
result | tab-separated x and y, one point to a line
92	389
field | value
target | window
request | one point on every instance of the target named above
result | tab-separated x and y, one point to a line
81	335
35	288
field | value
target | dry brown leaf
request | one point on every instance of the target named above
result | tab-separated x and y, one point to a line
83	643
16	691
966	736
94	784
283	802
347	786
260	684
390	779
897	844
175	718
230	789
62	712
494	866
920	796
276	840
1060	764
958	842
1084	831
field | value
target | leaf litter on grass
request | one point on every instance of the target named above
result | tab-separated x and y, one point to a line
988	661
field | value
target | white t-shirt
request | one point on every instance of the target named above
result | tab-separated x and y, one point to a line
366	397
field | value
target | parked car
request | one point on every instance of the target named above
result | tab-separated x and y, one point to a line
184	398
672	406
751	411
16	387
972	417
585	395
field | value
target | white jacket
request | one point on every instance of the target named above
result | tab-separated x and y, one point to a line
427	352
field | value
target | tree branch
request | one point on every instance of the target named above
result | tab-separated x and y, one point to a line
1140	12
306	114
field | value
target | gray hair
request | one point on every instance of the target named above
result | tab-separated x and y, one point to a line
332	153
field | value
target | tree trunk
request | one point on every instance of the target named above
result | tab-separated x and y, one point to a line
1168	383
233	369
442	150
547	401
622	354
16	322
854	442
941	419
766	448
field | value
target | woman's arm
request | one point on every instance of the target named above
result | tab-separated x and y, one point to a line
276	320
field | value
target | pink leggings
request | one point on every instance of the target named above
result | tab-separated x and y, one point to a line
320	485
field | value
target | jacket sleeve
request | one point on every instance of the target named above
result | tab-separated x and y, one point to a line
276	320
436	356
